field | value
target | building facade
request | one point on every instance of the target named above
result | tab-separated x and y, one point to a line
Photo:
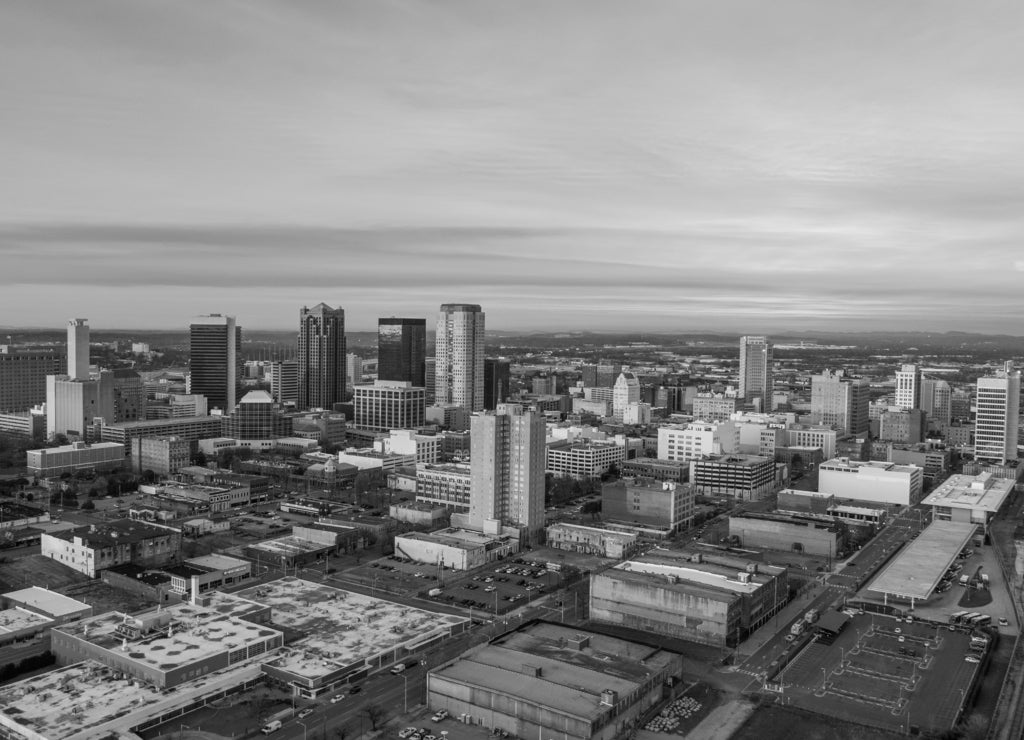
23	376
742	477
497	376
998	416
652	504
95	547
53	461
841	402
402	350
215	342
163	455
756	370
875	482
321	356
389	404
908	387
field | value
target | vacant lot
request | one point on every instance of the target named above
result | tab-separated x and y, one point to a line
37	570
775	722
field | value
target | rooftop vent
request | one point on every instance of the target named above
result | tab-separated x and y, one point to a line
579	642
609	697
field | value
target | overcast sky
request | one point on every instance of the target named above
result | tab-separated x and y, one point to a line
682	165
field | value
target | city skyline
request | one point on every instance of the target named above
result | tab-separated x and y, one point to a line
752	168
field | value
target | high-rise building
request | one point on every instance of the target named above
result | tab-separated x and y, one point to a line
129	396
507	460
402	350
497	376
23	376
353	370
602	375
625	392
215	342
840	402
936	396
73	405
78	349
321	356
543	385
756	370
388	404
284	381
459	353
257	417
998	416
430	378
908	387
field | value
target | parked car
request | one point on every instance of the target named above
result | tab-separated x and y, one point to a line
305	712
972	659
336	699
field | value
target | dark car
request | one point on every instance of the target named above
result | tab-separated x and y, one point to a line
355	690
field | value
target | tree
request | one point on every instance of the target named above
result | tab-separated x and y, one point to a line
374	713
340	733
260	702
148	476
88	505
199	459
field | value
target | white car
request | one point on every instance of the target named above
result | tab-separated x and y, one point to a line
336	699
407	732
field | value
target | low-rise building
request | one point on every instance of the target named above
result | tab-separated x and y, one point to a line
713	599
605	543
743	477
810	534
192	428
53	461
420	514
425	448
649	467
877	482
198	497
974	499
163	455
208	573
31	424
459	549
33	611
583	459
444	485
648	503
92	548
552	681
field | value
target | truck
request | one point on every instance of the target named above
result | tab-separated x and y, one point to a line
811	617
964	580
797	628
400	667
272	726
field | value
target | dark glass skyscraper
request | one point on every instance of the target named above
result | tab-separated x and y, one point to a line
214	345
321	356
497	374
402	350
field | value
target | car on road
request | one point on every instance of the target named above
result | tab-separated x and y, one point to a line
336	699
355	689
488	589
305	712
1003	621
972	659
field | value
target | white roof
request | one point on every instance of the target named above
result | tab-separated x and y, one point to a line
50	602
983	492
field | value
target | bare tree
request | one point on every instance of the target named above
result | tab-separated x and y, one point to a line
374	713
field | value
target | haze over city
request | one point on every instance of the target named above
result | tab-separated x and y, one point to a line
579	165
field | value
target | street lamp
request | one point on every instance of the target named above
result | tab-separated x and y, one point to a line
824	676
303	729
182	728
405	694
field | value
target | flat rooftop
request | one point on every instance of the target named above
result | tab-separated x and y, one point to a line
17	619
46	601
115	532
455	537
215	562
845	463
188	634
571	678
681	578
596	530
917	570
341	627
984	492
289	545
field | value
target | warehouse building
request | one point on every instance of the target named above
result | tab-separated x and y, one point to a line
459	549
552	681
605	543
92	548
809	534
710	598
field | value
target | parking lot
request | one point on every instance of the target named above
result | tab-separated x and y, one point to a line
885	672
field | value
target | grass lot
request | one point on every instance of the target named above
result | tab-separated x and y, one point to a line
103	597
38	570
774	722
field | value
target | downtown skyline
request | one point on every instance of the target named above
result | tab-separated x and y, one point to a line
798	166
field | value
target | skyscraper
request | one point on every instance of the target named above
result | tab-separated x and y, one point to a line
756	370
995	426
459	355
908	387
625	392
402	350
78	349
840	402
497	375
321	356
215	343
507	459
284	381
23	376
936	396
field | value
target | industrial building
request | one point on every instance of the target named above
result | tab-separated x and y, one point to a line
92	548
709	598
35	610
648	503
420	514
209	572
459	549
551	681
810	534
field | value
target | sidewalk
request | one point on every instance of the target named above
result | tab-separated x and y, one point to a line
789	614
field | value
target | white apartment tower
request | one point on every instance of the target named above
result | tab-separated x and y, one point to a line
756	370
507	471
626	391
459	356
78	349
936	397
995	426
908	387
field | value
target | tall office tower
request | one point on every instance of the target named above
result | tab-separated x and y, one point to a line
936	396
23	376
625	392
284	381
388	404
497	376
430	378
543	385
507	459
908	387
840	402
402	350
78	349
997	419
353	370
459	352
215	342
321	356
602	375
960	405
129	396
73	404
756	370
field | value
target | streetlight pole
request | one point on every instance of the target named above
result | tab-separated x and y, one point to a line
405	694
824	676
303	729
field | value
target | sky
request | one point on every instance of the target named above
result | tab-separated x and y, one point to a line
567	164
